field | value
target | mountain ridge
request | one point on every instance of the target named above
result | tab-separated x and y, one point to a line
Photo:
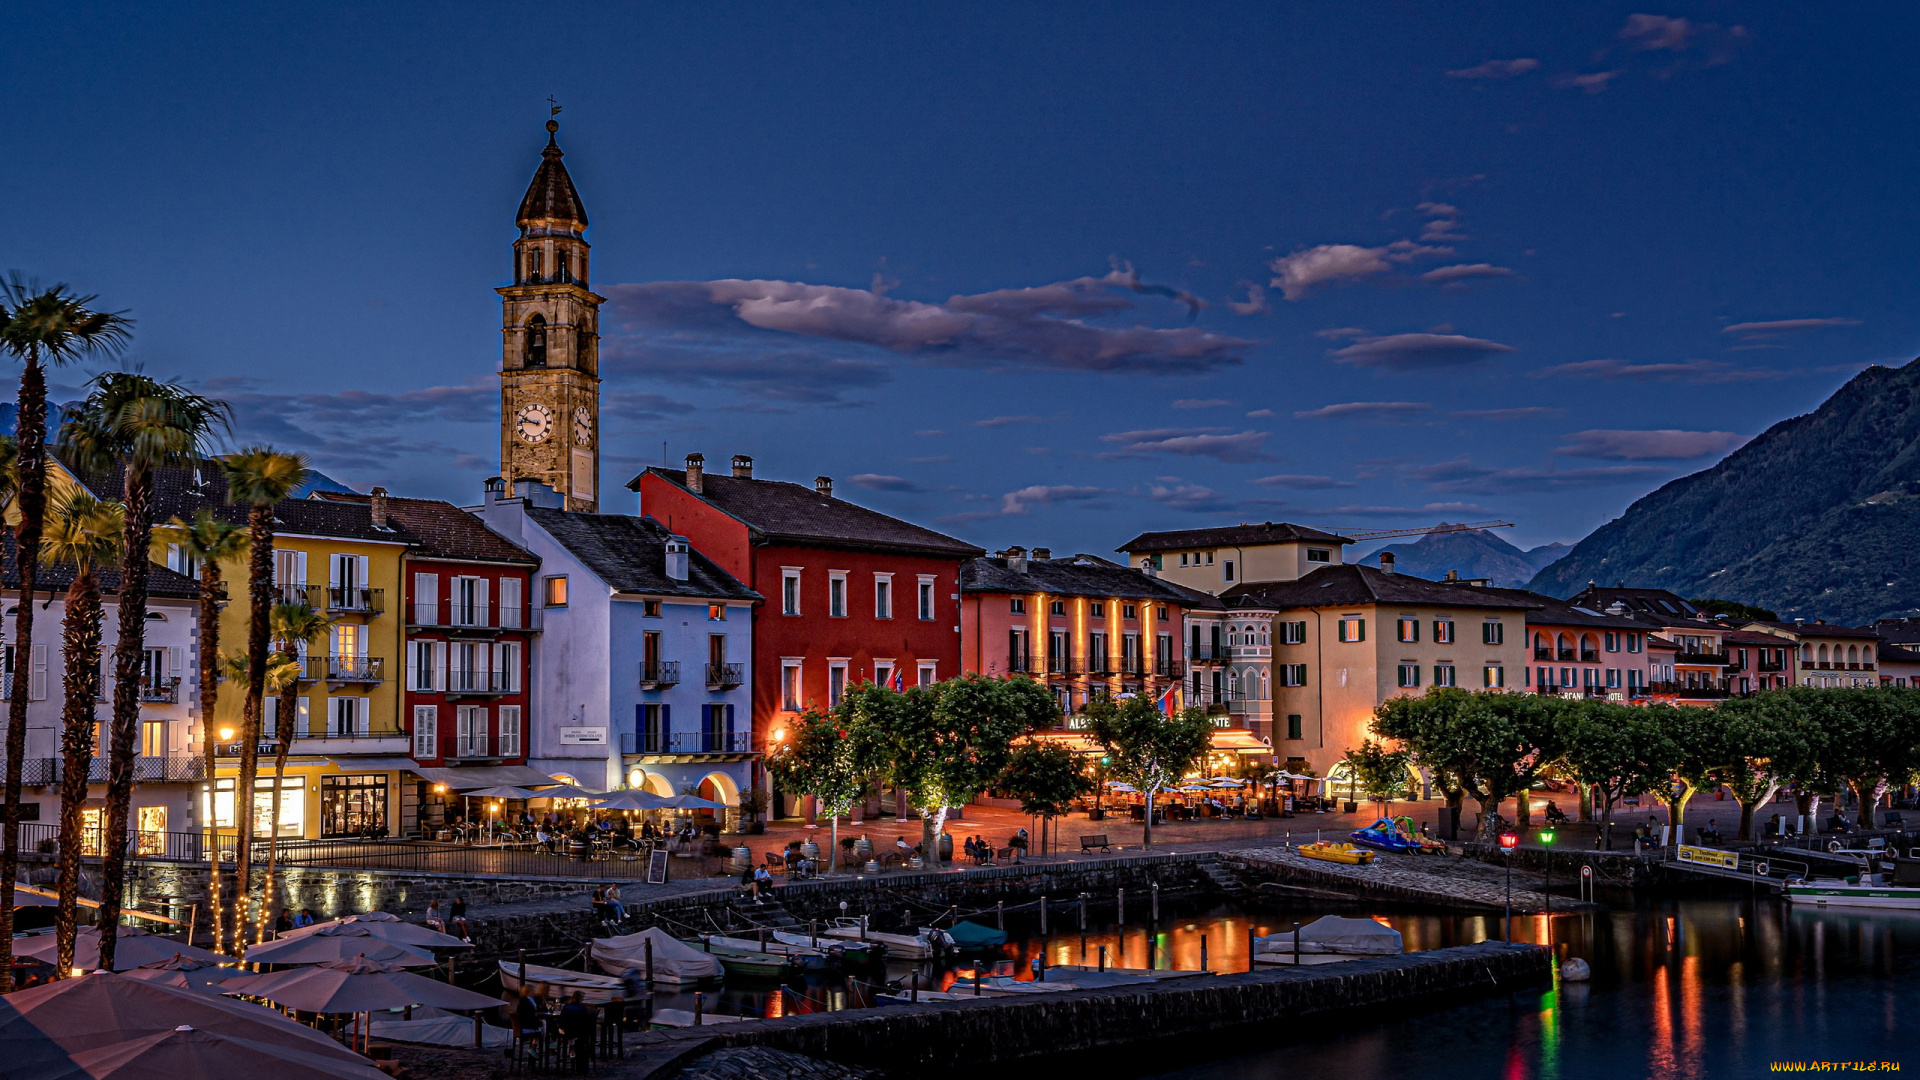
1476	554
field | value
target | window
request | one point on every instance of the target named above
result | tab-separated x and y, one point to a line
1612	641
426	732
1293	633
789	591
883	596
153	738
926	598
152	834
353	805
347	716
425	661
716	613
1633	642
836	594
650	608
1293	726
1409	675
470	731
1057	607
536	335
506	667
1162	613
510	617
298	726
1209	558
926	673
1293	674
293	806
509	731
1443	675
790	685
1409	629
555	590
1319	555
1018	605
836	681
883	673
1183	558
1493	632
1494	676
1353	628
1443	631
1128	611
1613	678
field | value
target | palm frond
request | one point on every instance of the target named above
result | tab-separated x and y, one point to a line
82	531
54	323
261	476
148	422
206	539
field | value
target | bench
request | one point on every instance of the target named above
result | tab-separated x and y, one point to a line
1097	840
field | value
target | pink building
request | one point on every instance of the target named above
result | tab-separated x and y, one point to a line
1574	650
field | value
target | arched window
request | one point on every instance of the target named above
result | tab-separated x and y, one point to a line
560	266
1823	654
1266	687
537	342
533	266
1853	654
1866	654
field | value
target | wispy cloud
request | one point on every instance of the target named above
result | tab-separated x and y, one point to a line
1254	304
1460	273
1406	352
1663	444
1761	330
1524	412
1460	476
1221	444
1592	82
1007	421
1197	498
1366	410
783	375
1200	403
1304	483
1309	269
1647	32
1021	502
1691	371
882	482
1497	69
1427	509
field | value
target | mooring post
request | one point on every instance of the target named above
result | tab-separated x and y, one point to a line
699	1007
1083	913
914	995
1156	904
1203	952
813	931
649	966
1043	916
1250	937
1121	899
1103	958
1296	944
763	939
1150	944
1000	913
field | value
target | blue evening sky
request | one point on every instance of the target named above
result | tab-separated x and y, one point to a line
1037	274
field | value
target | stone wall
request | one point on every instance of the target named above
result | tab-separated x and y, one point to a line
884	896
171	888
944	1037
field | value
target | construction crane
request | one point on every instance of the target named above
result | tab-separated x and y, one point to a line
1382	534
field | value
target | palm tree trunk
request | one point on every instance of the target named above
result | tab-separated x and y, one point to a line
259	605
210	697
31	435
80	653
128	653
283	735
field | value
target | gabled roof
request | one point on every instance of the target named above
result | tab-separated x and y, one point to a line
781	512
1819	629
1749	637
441	530
1552	612
630	555
1352	585
1656	603
1073	575
1897	654
1243	535
54	578
184	492
551	196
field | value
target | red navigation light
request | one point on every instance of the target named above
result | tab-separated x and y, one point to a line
1509	841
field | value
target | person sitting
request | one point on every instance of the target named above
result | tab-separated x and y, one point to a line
305	918
972	849
1711	834
613	903
1555	816
284	922
1018	842
762	879
577	1023
1772	827
900	847
600	909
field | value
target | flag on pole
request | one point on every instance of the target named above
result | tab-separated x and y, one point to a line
1166	700
899	680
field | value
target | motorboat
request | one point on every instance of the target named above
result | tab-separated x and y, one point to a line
918	946
1329	939
675	963
803	957
1398	834
560	983
867	953
751	963
1337	852
1864	891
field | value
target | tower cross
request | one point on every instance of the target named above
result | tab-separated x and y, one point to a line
553	105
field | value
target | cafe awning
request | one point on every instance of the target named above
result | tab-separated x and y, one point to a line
370	764
1239	741
485	777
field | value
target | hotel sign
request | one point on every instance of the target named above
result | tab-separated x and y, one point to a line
583	736
1709	857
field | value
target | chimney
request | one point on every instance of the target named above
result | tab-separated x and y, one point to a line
742	467
677	558
1386	562
1043	553
378	508
696	473
493	491
1453	575
823	485
1016	557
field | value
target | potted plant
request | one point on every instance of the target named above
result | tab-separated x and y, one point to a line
753	802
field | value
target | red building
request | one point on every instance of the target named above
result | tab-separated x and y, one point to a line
852	594
469	626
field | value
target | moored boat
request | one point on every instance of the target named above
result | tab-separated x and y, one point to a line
751	963
1826	892
1331	851
561	983
919	946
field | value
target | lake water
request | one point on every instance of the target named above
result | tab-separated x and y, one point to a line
1681	989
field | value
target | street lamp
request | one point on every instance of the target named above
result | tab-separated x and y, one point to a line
1545	836
1509	841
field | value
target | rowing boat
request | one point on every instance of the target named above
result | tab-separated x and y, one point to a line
561	983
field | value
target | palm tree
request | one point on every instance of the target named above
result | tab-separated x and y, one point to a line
257	477
207	543
83	533
294	626
38	325
141	424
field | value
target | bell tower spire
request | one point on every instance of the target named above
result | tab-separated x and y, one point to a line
550	360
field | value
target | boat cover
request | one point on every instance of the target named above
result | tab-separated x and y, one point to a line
971	935
1338	934
671	957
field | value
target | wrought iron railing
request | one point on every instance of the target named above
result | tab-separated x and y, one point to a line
685	742
726	676
659	673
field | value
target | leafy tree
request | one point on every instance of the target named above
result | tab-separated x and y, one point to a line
1870	740
1770	739
1495	743
1382	774
257	477
823	758
1608	748
947	743
1046	777
1735	610
84	534
138	424
208	542
1146	748
1693	753
39	326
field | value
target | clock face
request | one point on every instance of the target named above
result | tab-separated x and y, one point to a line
534	422
582	426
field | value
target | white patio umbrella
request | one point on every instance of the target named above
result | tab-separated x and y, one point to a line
131	949
379	924
189	1053
631	799
691	802
334	948
356	986
564	791
503	793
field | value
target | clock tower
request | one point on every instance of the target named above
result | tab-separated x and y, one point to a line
550	357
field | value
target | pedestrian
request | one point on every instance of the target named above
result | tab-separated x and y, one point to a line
576	1025
305	918
434	921
761	879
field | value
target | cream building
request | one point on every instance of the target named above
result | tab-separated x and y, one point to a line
1216	560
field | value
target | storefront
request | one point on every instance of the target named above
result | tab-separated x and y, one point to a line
320	798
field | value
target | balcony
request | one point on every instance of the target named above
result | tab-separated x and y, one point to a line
354	600
171	768
725	676
466	615
1542	653
164	692
483	748
482	682
1589	656
659	674
1020	663
1168	668
1065	666
313	596
1100	664
330	733
1567	655
1770	665
343	669
685	742
1701	656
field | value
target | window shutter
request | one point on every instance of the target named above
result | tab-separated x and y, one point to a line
481	614
509	602
37	690
439	681
729	708
413	667
426	598
425	731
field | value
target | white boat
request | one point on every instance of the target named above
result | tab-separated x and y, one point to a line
1328	940
561	983
774	944
675	963
920	946
1827	892
792	937
680	1018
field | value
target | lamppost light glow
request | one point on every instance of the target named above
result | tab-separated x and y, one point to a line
1545	836
1509	841
226	734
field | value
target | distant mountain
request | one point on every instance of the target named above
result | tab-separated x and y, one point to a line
1474	554
1816	518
